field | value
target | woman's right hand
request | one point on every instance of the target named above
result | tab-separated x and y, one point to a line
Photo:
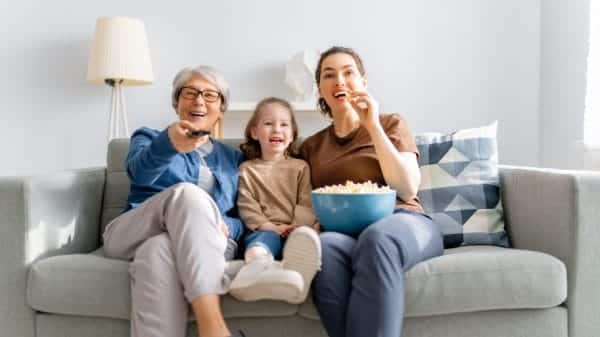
178	135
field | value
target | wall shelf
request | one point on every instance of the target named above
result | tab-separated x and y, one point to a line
241	109
249	106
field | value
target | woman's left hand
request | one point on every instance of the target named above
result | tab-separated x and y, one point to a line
366	107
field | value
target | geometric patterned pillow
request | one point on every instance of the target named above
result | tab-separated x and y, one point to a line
460	187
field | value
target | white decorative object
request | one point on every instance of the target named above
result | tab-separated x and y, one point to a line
119	56
300	75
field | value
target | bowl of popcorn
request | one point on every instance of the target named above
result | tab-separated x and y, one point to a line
351	207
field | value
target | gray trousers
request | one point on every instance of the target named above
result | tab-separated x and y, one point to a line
360	289
176	245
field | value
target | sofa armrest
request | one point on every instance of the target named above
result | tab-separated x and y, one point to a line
558	212
42	216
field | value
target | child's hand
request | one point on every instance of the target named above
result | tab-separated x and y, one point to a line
282	230
286	230
289	230
316	226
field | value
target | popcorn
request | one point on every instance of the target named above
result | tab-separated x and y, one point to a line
352	187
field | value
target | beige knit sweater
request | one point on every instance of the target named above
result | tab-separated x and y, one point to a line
276	192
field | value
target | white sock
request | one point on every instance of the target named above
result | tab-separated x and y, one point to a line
252	269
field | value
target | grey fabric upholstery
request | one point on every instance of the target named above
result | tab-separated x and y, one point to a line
547	211
42	216
481	278
503	323
467	279
117	182
557	212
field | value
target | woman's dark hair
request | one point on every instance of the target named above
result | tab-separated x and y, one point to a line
323	107
251	147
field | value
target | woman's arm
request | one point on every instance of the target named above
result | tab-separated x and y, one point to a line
148	156
400	169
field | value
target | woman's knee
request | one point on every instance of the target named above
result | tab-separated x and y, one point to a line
336	248
188	191
376	240
188	194
376	234
335	239
184	196
411	237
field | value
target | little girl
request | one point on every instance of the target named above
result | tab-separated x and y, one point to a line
274	203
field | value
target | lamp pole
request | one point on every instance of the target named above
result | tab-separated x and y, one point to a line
118	127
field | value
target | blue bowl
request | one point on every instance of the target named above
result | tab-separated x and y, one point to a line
350	213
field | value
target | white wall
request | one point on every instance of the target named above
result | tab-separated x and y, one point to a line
442	64
564	49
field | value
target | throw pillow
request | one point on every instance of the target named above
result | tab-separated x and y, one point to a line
460	186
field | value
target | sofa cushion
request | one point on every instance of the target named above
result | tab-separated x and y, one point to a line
476	278
464	279
93	285
460	186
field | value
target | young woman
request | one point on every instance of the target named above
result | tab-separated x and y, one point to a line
359	291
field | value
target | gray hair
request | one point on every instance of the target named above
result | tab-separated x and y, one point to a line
210	74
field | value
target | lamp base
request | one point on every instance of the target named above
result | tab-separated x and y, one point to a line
117	122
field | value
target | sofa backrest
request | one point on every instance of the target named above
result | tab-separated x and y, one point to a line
117	182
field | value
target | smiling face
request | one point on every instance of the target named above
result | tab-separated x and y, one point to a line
198	111
339	76
274	131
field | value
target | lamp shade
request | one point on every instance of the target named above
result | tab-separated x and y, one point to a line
120	51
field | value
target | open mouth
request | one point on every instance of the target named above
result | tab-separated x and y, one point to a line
276	140
198	113
340	95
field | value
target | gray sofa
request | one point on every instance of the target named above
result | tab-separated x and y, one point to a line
55	281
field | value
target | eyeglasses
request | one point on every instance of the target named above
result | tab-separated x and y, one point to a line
208	95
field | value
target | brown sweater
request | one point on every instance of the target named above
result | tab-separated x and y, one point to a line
334	160
276	192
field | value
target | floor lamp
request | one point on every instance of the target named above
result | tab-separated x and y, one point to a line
119	57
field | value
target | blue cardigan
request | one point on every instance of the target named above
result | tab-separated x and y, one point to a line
153	165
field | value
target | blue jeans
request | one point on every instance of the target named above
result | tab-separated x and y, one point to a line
360	289
269	240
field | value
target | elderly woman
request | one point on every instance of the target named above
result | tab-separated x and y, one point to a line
179	214
359	291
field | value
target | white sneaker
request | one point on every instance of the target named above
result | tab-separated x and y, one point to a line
302	253
265	279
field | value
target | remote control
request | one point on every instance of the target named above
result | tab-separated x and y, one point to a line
197	133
